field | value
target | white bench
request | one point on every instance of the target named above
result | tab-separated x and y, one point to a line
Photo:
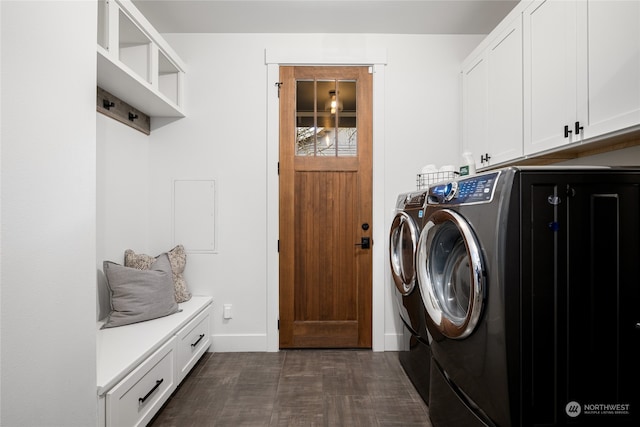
140	365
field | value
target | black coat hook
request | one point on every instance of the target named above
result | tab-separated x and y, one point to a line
132	116
107	104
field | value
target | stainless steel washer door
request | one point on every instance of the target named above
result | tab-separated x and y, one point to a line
403	241
450	274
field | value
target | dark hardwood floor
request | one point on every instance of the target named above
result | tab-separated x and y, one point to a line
296	388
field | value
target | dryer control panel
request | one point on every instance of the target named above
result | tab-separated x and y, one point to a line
416	199
475	189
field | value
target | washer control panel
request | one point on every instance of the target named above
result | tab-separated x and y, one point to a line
415	200
475	189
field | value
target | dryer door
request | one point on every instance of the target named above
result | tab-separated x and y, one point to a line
403	241
450	273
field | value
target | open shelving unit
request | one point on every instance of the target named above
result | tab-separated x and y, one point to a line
135	63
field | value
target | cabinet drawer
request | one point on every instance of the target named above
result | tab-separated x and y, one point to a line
193	341
135	399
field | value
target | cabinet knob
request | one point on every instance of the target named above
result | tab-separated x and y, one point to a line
578	128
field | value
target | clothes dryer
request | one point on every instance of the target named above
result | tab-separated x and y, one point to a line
403	242
529	277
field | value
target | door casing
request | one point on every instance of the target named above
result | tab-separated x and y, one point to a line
377	59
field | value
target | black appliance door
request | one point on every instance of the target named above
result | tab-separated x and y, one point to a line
450	274
403	241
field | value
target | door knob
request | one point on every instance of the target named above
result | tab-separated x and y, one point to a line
365	242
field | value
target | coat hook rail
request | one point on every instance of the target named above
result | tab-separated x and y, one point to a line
117	109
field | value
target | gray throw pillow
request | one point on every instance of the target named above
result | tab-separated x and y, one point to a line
139	295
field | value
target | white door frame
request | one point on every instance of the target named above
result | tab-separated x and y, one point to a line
376	59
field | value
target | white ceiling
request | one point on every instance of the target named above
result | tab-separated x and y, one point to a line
326	16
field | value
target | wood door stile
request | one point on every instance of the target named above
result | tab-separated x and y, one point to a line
287	244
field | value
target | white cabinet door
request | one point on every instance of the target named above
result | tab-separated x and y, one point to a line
504	116
193	341
138	397
492	87
475	106
549	36
610	44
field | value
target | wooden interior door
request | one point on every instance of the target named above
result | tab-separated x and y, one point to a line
325	207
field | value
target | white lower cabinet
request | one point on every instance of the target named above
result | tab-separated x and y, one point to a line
136	399
141	365
192	341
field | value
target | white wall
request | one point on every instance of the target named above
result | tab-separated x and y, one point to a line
0	218
122	196
223	137
48	171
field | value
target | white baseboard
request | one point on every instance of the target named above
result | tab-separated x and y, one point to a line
258	342
238	343
393	342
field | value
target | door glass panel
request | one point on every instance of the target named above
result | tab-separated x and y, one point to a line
326	121
326	118
305	118
347	130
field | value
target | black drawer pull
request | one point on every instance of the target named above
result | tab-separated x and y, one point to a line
567	132
142	399
199	339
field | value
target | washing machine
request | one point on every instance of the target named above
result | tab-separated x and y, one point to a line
403	242
530	282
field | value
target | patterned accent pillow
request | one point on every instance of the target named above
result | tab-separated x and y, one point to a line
139	261
177	257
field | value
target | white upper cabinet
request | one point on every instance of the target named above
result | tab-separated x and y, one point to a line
135	63
550	84
581	71
492	100
505	92
474	109
609	48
